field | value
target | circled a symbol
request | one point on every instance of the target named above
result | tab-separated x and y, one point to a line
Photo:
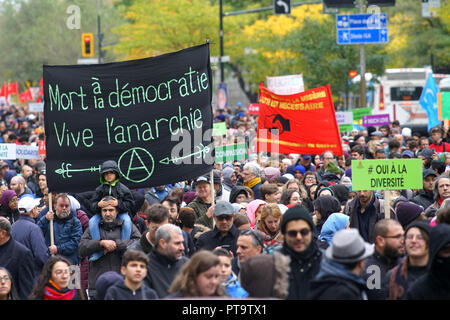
136	164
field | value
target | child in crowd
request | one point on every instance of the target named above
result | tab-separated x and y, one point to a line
227	277
122	198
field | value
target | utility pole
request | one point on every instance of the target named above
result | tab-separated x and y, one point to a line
222	77
362	63
99	32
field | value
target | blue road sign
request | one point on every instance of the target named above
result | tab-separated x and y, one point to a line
361	28
361	21
359	36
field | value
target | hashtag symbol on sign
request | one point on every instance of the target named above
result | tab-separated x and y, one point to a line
370	170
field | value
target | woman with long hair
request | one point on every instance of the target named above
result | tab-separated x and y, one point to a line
324	206
7	289
270	224
199	277
53	282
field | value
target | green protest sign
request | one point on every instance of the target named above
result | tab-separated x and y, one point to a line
231	152
345	127
219	129
390	174
358	113
445	103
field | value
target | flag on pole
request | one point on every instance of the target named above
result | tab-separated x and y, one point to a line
3	90
26	96
12	88
428	101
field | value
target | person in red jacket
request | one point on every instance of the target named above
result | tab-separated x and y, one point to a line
438	144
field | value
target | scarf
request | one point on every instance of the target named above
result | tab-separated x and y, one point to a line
252	182
53	292
332	268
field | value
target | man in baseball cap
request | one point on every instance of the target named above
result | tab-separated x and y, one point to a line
224	234
340	272
425	196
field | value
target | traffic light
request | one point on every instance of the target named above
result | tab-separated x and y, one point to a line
352	74
282	6
87	44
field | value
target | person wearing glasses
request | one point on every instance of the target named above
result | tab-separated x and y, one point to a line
53	282
18	259
297	228
7	290
326	157
389	249
224	234
8	207
414	265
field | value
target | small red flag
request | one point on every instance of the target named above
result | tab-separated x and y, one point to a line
25	96
3	90
12	88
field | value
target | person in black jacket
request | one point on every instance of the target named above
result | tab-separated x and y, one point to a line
166	260
425	196
134	269
299	244
17	259
435	284
340	271
224	234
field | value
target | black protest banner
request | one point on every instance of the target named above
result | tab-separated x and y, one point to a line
152	116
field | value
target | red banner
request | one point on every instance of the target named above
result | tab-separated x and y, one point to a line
3	90
253	108
302	123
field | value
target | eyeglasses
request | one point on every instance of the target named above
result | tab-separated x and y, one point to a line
310	178
293	233
397	237
227	217
252	233
5	278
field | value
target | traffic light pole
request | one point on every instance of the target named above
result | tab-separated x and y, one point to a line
362	63
222	77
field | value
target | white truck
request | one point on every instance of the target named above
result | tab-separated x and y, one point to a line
398	93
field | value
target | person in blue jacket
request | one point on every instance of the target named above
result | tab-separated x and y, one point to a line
227	277
27	232
67	229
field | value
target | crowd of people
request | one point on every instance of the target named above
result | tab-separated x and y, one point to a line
284	226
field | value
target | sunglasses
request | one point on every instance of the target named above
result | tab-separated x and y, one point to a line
227	217
253	234
293	233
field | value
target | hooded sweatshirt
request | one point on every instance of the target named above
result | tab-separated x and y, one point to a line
435	285
120	291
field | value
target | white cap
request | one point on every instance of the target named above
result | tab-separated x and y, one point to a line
27	204
406	132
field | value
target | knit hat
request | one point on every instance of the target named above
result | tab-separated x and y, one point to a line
7	195
421	225
333	168
104	281
300	168
408	212
296	213
272	172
